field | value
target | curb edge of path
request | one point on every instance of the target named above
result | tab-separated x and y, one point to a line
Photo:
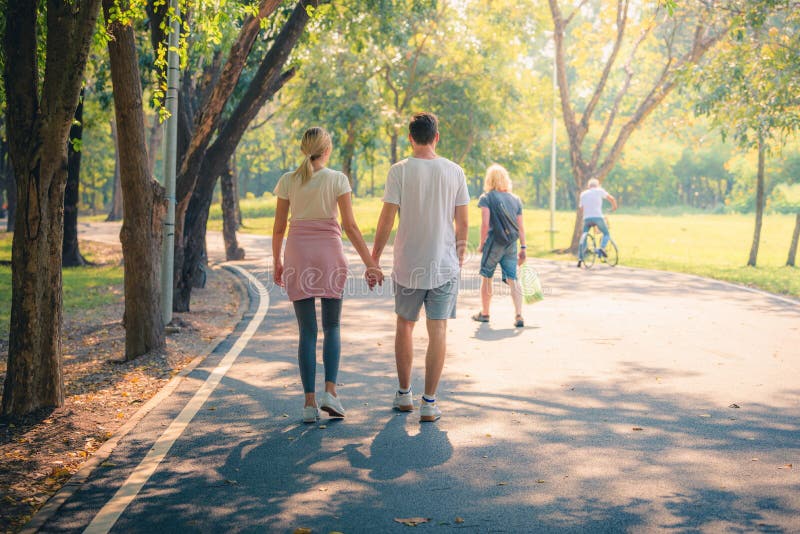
54	503
788	299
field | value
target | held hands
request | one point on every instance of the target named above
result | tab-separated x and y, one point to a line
374	276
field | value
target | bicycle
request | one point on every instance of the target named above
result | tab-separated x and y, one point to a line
588	251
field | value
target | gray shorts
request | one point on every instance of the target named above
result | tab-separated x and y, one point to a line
440	302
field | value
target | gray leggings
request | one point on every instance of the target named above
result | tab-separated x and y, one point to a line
306	313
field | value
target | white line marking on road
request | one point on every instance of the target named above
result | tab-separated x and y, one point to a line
113	509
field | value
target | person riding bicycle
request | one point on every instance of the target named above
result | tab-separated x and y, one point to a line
591	202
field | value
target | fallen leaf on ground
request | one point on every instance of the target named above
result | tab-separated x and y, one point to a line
637	428
734	405
459	520
412	521
787	466
540	481
323	426
502	483
302	531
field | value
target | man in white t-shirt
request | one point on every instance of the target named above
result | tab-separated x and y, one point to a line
429	193
591	202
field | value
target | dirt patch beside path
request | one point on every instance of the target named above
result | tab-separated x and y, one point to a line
39	453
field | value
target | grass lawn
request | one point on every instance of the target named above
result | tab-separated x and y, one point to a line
85	288
716	246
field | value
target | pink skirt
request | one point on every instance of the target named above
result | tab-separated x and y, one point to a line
314	263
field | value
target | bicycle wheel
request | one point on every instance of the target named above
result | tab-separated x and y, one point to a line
612	254
589	250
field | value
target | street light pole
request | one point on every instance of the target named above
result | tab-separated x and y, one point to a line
553	154
170	161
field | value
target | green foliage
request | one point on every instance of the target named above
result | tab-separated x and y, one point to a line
485	69
785	198
752	89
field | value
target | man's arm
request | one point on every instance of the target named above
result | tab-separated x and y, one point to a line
613	202
384	230
462	229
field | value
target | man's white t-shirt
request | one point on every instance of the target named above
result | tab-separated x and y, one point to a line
592	202
427	192
316	199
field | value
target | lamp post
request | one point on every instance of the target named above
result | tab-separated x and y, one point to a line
553	153
170	161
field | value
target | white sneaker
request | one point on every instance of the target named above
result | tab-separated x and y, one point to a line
330	404
428	411
403	402
310	414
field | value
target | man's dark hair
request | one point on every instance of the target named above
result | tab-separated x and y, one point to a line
423	128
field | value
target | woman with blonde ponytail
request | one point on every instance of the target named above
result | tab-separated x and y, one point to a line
315	265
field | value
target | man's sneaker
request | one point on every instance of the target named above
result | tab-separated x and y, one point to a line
519	322
579	263
403	402
310	414
428	411
480	317
331	405
601	253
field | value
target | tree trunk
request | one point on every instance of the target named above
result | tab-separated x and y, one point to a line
38	129
143	198
192	212
10	187
348	152
790	262
597	158
229	221
393	144
196	132
70	253
759	203
115	214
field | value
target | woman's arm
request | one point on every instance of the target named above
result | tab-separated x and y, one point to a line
485	216
278	230
374	274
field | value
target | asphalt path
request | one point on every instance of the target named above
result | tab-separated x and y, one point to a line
632	400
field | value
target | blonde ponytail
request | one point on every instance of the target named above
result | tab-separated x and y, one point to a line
314	144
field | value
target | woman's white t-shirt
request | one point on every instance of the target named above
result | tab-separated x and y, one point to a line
316	199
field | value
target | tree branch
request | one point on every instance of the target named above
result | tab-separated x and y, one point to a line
620	95
574	12
622	18
658	93
207	120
